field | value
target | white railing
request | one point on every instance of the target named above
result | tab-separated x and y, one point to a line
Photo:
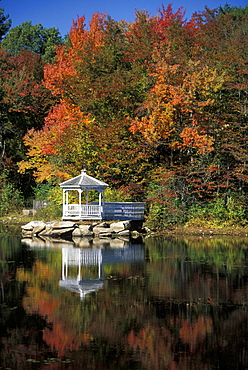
83	211
108	211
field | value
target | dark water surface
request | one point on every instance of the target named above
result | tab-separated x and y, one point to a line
164	303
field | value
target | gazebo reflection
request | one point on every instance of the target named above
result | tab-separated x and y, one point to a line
83	268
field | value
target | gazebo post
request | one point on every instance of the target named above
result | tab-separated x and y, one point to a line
65	202
80	202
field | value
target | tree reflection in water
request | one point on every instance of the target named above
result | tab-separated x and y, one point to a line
165	304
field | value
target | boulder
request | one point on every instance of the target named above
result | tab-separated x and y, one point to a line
27	234
104	224
63	224
77	232
83	231
102	232
86	229
124	233
29	226
38	228
119	226
60	232
58	228
47	231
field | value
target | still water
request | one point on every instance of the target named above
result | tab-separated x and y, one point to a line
159	303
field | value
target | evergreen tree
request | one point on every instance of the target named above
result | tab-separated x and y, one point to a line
5	23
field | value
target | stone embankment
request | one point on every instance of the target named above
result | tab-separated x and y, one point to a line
69	229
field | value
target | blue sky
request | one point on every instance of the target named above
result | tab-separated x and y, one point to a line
60	13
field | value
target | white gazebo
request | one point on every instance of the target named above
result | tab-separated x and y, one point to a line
84	209
81	210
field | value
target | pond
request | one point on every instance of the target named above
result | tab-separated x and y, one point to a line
158	303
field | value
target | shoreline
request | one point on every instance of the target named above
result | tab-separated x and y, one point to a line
17	222
204	231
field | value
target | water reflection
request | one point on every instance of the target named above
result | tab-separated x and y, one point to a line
167	303
81	282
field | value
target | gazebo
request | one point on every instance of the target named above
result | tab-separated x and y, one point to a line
83	209
83	184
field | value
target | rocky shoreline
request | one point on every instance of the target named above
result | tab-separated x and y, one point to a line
70	229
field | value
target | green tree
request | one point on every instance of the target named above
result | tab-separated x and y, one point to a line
34	38
5	23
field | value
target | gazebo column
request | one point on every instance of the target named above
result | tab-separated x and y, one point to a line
100	202
63	215
80	202
65	202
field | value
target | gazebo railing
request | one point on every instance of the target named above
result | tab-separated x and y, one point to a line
107	211
83	211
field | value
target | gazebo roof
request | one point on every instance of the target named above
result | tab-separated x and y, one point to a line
83	181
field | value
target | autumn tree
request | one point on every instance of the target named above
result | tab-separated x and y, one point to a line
24	103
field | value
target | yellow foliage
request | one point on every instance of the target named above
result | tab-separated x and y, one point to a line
176	108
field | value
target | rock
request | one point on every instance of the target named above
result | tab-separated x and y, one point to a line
86	229
135	234
27	234
77	232
146	230
102	231
82	231
60	232
63	225
47	231
30	226
103	224
29	212
120	226
37	229
97	230
124	233
105	235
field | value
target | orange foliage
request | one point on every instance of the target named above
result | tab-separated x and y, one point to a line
191	137
194	332
58	75
63	127
176	109
154	347
59	336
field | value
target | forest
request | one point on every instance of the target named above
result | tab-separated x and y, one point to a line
157	108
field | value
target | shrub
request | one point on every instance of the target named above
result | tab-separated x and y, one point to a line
52	196
11	199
